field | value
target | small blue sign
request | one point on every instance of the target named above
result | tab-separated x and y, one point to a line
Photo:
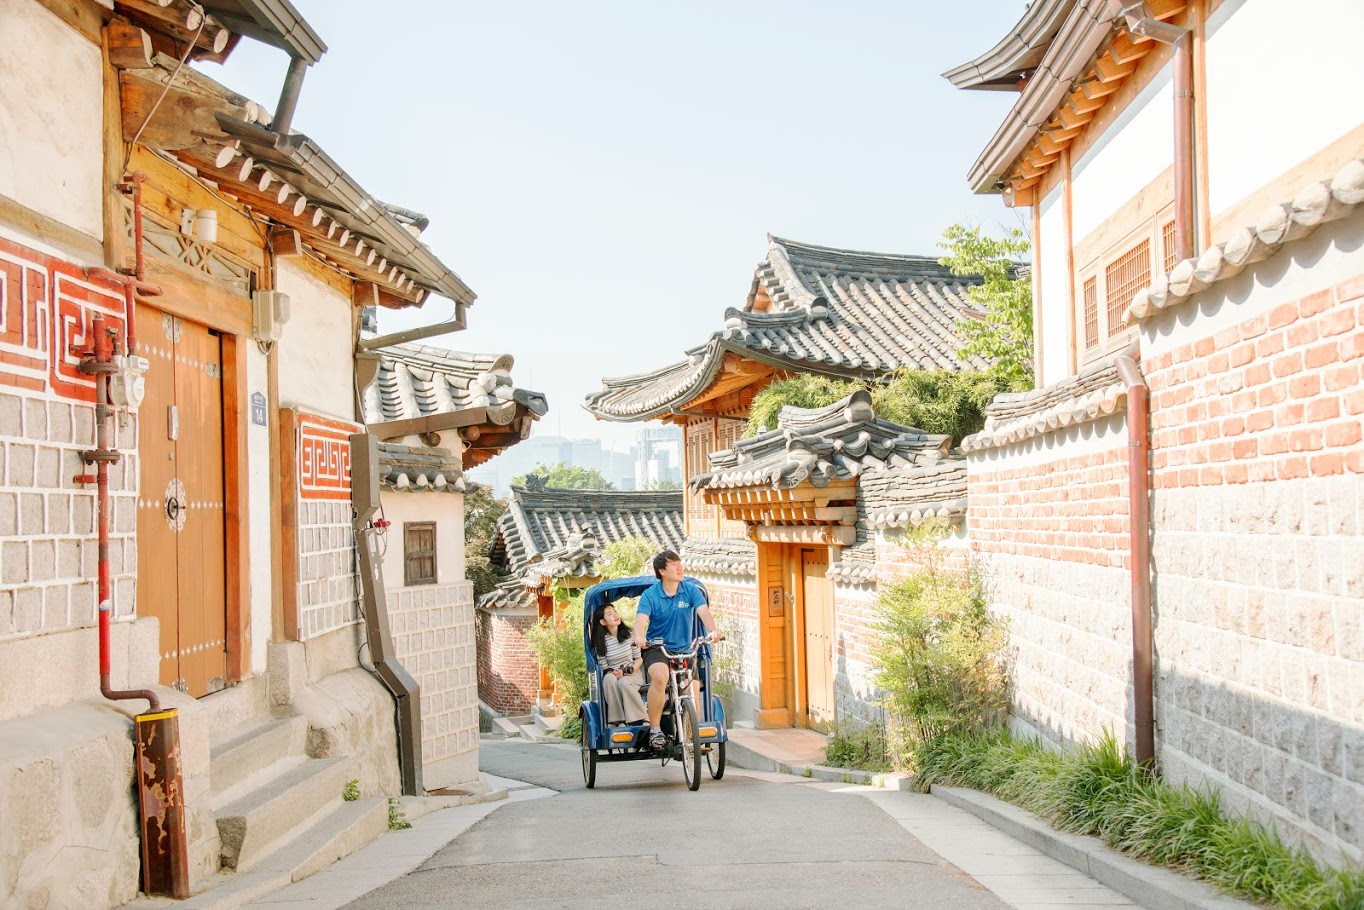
258	409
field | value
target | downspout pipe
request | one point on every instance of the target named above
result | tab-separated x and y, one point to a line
1139	548
288	96
1140	23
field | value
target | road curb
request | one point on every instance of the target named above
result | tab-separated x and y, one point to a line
743	757
1150	886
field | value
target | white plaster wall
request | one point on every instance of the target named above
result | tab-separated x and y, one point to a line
1133	151
1055	337
51	117
261	530
447	511
1280	88
316	369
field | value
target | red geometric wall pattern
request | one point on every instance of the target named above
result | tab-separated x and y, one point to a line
46	308
324	457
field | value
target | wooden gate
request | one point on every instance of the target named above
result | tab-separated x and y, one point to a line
819	639
181	565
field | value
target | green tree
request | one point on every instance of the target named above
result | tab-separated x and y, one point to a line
664	485
935	401
1005	334
564	476
481	511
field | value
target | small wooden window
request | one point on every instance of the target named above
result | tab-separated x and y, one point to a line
419	553
1167	246
1123	277
1091	313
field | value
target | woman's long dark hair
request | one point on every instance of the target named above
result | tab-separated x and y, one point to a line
599	631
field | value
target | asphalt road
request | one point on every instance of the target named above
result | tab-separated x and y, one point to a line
641	839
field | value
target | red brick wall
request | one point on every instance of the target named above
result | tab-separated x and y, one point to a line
1072	509
1276	397
508	674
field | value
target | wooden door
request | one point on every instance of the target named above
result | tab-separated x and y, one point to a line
818	613
181	569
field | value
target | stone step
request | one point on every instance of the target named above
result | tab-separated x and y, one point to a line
244	751
506	726
336	834
548	726
252	825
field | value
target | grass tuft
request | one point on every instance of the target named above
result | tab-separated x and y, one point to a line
1097	790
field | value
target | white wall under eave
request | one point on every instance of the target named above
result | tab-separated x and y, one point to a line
316	352
51	117
1054	305
447	511
1133	151
260	529
1283	83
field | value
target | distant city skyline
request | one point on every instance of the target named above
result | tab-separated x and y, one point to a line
654	457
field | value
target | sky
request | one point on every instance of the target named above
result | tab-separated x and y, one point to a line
604	174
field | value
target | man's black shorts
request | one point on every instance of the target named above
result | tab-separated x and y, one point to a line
653	656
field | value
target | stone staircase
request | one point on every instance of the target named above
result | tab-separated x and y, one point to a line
280	814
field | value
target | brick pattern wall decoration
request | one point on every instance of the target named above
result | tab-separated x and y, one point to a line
47	521
327	580
433	636
508	675
1259	565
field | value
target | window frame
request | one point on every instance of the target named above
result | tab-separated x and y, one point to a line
410	577
1155	232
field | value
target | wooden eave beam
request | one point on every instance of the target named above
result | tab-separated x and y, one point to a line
170	30
186	118
1108	69
434	423
369	293
1083	104
1095	90
1129	48
266	204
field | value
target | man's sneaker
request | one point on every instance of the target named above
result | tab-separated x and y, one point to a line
657	740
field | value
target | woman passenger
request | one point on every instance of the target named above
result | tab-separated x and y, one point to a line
620	659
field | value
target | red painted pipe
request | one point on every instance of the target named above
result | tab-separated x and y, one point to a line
102	365
1139	543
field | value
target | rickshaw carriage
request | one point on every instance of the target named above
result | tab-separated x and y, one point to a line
693	731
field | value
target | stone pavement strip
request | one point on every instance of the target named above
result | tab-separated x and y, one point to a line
1019	875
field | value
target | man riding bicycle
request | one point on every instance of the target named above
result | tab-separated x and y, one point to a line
668	611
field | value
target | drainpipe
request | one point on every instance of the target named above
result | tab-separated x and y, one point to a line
288	96
136	283
160	787
1140	23
1139	546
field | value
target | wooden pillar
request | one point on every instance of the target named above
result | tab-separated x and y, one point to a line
1069	240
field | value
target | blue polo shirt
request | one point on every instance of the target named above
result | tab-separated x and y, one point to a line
671	618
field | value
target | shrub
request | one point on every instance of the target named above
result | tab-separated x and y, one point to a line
860	746
939	656
558	647
1097	789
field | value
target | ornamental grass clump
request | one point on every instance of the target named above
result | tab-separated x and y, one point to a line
1098	790
939	657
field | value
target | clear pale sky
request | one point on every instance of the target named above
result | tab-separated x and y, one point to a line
604	174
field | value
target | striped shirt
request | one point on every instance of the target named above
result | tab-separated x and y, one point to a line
620	653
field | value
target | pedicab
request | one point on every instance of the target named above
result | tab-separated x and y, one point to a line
694	726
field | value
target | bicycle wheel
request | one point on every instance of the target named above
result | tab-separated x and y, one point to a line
715	760
589	761
690	744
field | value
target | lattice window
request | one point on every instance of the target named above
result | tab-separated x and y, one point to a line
419	553
1091	313
699	445
1124	276
167	243
1167	247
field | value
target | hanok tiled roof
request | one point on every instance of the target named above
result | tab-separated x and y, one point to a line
1018	52
819	445
840	312
1094	392
1281	223
909	496
473	392
722	556
856	565
553	533
409	469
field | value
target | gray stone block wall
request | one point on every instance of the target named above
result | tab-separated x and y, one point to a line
328	568
1259	625
48	522
1071	646
433	637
